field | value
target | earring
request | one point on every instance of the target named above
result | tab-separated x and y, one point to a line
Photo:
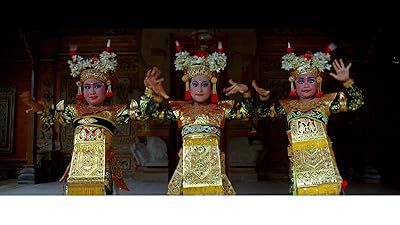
214	95
292	89
109	92
185	79
319	93
79	95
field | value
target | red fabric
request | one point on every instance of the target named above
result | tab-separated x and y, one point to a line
187	95
79	96
344	184
178	48
72	52
120	183
308	55
201	54
214	98
109	94
319	94
328	50
94	60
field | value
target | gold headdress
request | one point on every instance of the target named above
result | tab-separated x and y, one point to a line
200	64
310	63
100	67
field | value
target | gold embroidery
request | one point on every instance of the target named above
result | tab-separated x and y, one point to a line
313	162
326	100
304	128
88	120
201	165
87	174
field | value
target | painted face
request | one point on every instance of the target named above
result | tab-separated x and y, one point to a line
306	86
94	92
200	88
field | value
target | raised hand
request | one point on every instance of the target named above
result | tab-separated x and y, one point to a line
342	71
153	82
34	106
259	90
235	88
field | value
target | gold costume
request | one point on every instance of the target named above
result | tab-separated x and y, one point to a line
93	167
312	160
201	168
313	168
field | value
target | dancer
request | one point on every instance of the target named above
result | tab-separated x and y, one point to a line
93	169
200	118
313	168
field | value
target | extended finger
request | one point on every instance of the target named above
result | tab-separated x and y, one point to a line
348	66
336	67
265	92
228	93
155	71
254	84
159	80
165	95
335	64
231	82
341	63
146	82
242	88
226	89
161	91
149	73
230	88
233	91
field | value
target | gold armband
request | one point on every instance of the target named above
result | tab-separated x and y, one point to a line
247	94
348	83
148	91
157	99
264	98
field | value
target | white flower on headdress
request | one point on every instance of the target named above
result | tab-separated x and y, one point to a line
106	63
182	60
216	61
319	61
